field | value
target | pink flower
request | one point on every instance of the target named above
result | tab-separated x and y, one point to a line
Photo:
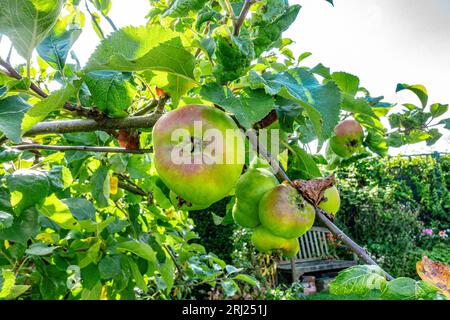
428	232
442	234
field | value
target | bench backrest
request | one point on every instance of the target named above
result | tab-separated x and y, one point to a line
313	245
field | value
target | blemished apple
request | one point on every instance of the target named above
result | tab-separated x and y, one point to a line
285	212
188	157
174	199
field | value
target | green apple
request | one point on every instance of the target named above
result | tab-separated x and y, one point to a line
250	188
348	138
197	153
285	212
331	200
266	241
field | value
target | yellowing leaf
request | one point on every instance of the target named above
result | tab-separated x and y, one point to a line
113	185
436	273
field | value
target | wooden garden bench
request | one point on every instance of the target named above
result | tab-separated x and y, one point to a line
313	256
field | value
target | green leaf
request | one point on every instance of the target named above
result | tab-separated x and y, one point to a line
103	6
12	110
321	70
55	101
287	112
249	106
101	186
137	275
419	90
111	92
141	48
55	48
435	135
180	8
249	279
207	15
304	162
7	281
268	33
16	291
27	188
167	273
175	86
233	55
23	227
80	208
377	143
303	56
446	123
358	279
109	267
26	23
18	85
6	220
230	288
357	105
438	109
57	211
347	82
140	249
321	102
40	249
408	289
8	154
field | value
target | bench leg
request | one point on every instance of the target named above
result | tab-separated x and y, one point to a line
294	273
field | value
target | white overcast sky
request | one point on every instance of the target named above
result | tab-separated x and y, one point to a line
383	42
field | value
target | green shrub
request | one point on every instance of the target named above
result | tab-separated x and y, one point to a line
388	203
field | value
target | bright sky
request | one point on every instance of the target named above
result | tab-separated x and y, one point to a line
383	42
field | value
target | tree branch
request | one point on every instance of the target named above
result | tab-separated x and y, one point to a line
281	174
34	146
242	15
90	113
66	126
132	189
267	120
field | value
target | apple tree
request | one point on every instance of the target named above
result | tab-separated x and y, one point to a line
89	207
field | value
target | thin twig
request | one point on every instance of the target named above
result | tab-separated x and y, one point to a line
8	57
34	146
174	259
161	103
94	20
111	23
90	113
132	189
152	105
240	20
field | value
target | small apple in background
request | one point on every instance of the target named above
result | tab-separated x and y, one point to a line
265	241
285	213
348	138
331	200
